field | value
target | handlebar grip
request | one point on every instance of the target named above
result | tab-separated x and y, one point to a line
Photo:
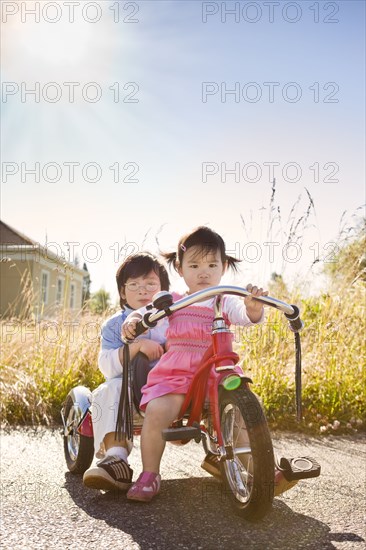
294	320
140	328
143	325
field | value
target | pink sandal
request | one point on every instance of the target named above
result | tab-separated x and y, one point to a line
145	488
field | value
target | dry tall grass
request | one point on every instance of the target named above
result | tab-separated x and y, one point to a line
42	361
333	361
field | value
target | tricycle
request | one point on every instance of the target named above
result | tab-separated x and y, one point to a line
220	410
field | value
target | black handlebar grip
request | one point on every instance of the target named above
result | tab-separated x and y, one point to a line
143	325
294	320
140	328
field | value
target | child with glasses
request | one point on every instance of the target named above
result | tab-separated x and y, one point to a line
138	279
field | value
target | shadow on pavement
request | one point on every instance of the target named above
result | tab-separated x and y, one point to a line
195	513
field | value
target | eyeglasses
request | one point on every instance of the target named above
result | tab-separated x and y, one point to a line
149	287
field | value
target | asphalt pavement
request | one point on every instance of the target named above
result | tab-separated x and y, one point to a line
43	506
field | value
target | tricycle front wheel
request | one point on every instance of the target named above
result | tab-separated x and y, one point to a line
248	471
79	449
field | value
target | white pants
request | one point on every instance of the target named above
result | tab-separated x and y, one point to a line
105	402
104	409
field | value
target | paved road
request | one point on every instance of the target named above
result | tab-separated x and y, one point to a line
44	506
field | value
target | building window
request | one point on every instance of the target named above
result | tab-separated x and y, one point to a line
44	287
59	291
72	296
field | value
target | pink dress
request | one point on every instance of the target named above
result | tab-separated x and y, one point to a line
188	337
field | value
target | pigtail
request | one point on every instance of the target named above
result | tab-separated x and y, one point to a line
171	259
232	263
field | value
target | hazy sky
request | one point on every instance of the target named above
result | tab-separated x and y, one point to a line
148	118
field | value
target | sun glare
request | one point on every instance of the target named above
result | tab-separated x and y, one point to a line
39	49
63	44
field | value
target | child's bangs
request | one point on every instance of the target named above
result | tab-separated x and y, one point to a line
141	267
204	250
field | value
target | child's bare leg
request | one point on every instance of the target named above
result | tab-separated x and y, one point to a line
160	413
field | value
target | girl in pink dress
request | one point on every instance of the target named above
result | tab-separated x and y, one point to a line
201	260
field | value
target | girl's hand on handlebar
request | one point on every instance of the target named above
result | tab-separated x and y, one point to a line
254	307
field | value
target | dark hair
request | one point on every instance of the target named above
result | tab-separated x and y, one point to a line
208	240
138	265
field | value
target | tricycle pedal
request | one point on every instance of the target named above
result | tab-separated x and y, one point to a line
182	433
299	468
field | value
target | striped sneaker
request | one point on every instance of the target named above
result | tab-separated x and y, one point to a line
145	488
111	473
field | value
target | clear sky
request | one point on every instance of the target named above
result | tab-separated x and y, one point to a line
155	102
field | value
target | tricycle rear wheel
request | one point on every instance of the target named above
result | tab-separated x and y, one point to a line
79	449
248	472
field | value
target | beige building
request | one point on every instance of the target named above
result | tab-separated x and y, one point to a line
36	282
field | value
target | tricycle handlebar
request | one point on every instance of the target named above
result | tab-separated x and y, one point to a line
166	308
